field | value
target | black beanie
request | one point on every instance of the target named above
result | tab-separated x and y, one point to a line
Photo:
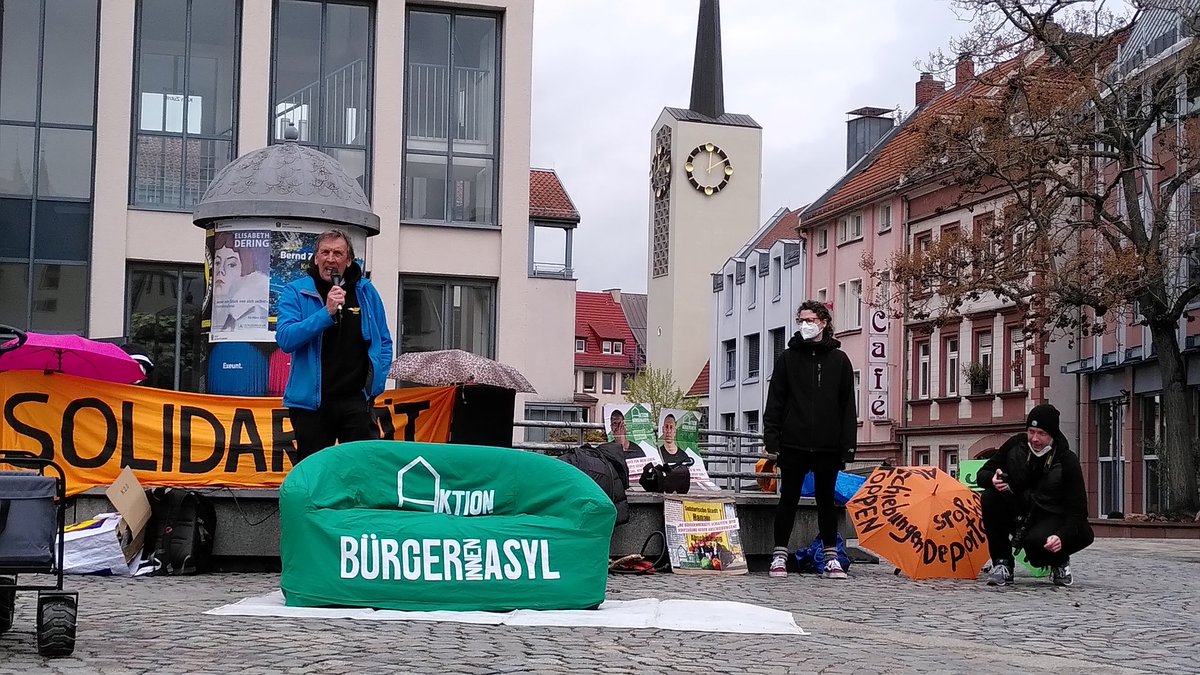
1044	417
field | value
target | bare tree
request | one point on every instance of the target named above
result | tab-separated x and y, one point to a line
1082	127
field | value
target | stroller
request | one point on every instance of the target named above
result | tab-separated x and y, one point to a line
32	512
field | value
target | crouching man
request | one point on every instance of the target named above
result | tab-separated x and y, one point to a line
1034	499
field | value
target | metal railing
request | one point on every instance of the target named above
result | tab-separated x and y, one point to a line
343	100
429	102
729	456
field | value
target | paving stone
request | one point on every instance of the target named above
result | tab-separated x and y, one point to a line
1132	609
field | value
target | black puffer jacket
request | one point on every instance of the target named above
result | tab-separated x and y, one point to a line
1051	484
810	402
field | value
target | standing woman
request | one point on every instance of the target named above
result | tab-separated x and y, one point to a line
811	423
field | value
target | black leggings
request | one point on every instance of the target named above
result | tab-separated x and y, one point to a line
1000	511
793	466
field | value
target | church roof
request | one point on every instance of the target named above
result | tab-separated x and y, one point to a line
727	119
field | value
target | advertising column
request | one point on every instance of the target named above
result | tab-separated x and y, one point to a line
247	263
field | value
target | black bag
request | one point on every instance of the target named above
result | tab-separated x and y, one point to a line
670	477
606	466
183	528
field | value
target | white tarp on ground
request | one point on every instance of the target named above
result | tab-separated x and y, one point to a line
691	615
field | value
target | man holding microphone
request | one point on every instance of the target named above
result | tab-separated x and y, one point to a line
333	324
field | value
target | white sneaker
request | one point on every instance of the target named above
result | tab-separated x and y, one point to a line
779	564
833	569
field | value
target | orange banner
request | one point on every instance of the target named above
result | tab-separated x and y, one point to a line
92	429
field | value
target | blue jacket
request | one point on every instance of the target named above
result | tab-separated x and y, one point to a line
301	323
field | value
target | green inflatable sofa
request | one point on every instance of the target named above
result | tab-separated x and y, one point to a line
433	526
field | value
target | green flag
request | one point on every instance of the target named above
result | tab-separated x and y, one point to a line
431	526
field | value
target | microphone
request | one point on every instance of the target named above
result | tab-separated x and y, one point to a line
337	281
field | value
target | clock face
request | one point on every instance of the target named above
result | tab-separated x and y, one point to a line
660	170
708	169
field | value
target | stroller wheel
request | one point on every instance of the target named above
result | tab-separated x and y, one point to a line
8	602
56	624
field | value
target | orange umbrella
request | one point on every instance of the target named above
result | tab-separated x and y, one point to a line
921	520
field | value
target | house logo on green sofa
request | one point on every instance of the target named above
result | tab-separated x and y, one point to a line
419	488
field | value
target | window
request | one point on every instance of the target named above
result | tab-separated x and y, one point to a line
451	116
609	380
752	356
589	381
923	370
618	347
777	277
1153	432
858	394
921	456
949	455
885	217
778	343
822	240
728	422
186	103
952	370
580	345
849	305
606	347
322	75
1016	359
447	314
730	360
983	341
544	412
730	289
626	378
752	287
163	311
751	421
47	112
1110	451
849	228
822	296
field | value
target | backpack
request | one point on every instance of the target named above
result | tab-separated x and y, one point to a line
183	528
605	465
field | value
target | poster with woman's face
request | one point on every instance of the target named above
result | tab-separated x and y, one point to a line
679	439
240	264
629	427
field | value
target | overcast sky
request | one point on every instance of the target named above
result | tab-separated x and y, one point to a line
604	69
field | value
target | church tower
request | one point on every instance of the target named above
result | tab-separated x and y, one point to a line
705	194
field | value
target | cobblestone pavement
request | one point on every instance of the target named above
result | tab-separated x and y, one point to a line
1134	608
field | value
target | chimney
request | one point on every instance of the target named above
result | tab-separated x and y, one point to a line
615	293
928	88
864	130
964	71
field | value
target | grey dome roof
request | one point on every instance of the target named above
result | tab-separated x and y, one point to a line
286	180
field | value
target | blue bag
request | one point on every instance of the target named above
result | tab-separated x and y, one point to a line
812	559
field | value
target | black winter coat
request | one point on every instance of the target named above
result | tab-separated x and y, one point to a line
810	401
1051	484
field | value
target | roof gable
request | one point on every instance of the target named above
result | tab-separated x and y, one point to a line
548	199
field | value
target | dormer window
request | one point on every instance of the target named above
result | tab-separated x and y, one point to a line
580	345
606	346
618	347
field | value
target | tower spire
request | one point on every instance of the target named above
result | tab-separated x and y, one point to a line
708	90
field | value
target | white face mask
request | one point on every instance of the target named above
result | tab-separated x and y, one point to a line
1041	452
809	331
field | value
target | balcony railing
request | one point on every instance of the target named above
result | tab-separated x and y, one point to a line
429	101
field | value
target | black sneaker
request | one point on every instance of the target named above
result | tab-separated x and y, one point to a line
1061	574
1001	574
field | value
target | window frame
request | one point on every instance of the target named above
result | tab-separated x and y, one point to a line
730	348
753	356
618	347
608	382
447	284
924	370
454	11
606	347
822	239
953	362
884	224
580	345
183	135
31	261
369	142
177	271
1016	359
752	287
985	353
589	389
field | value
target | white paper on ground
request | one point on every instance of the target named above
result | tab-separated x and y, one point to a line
689	615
